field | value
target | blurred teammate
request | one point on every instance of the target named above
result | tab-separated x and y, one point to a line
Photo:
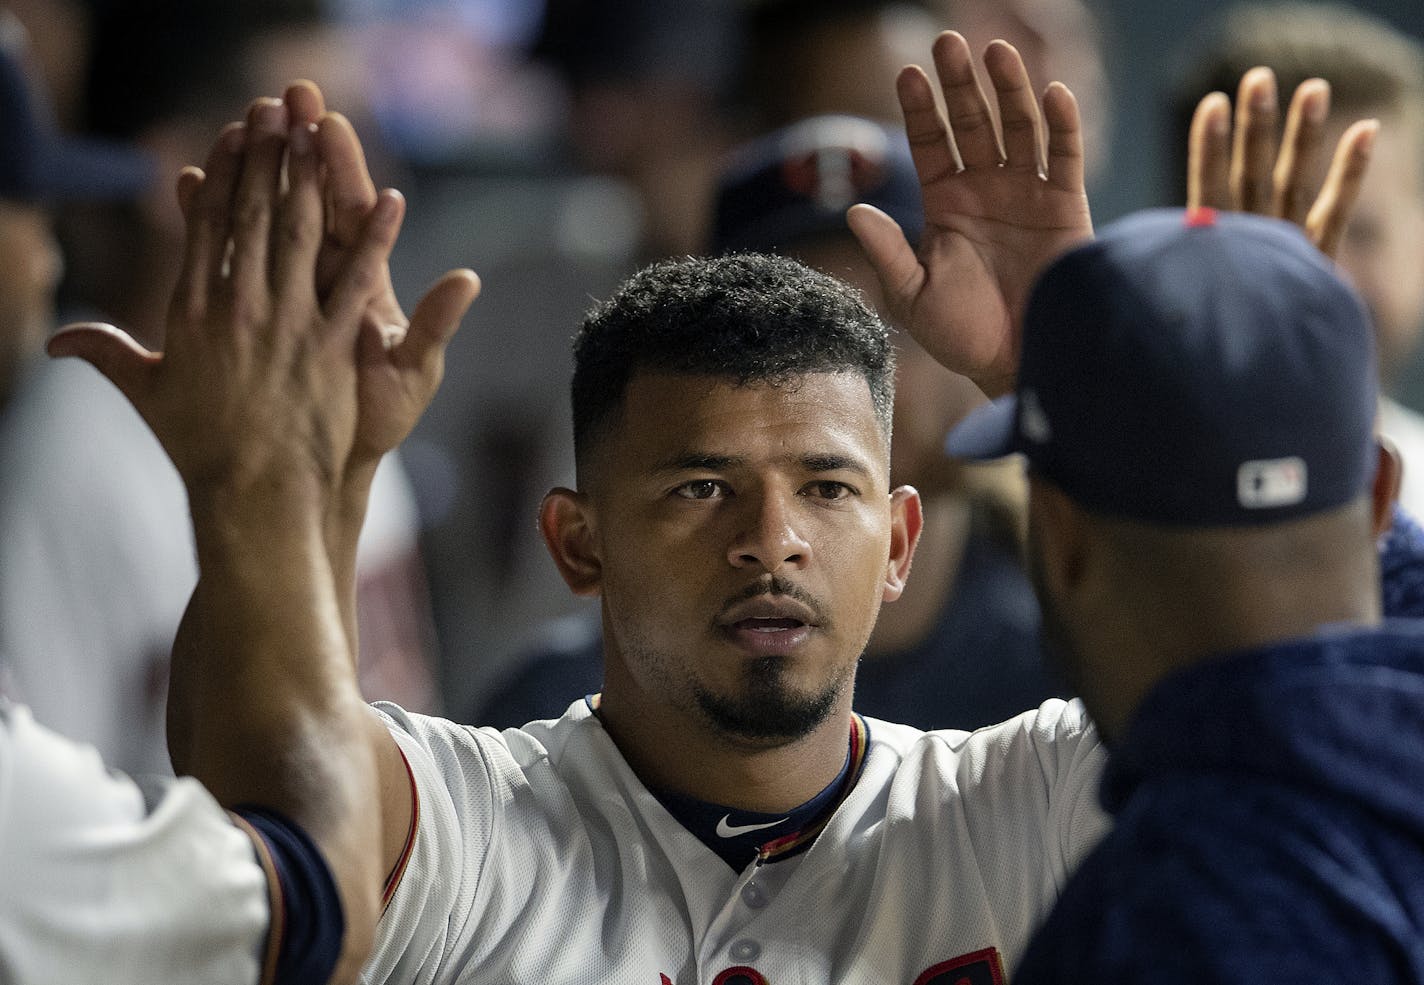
98	557
1196	401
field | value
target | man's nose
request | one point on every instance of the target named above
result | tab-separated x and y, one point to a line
769	536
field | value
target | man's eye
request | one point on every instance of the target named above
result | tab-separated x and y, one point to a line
828	489
701	489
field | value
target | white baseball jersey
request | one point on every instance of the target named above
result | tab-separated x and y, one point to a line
96	885
538	857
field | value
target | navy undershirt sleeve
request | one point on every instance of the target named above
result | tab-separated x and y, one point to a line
311	922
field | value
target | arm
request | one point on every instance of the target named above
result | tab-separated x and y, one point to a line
400	359
254	399
399	366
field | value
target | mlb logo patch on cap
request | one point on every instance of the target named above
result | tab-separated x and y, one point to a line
1264	485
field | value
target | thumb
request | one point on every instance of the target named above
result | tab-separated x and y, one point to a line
437	317
889	252
113	352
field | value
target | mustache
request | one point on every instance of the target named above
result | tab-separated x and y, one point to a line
776	585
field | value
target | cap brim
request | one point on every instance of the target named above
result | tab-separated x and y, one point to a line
987	432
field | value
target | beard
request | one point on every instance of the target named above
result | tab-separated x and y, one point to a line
766	711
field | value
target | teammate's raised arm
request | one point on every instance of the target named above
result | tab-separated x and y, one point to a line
255	398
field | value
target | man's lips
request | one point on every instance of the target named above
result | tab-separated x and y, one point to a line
768	612
768	625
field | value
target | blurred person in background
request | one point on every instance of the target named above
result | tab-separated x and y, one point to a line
810	57
1374	71
647	85
97	558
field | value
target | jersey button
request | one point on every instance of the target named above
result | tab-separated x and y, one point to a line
754	896
745	950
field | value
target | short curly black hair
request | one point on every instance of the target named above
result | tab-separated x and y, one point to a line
748	317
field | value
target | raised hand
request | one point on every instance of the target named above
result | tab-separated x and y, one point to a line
257	381
1000	203
401	360
1249	168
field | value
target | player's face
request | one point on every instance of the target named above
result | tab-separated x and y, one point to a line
746	537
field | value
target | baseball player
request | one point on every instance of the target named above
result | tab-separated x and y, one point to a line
718	813
252	399
1196	403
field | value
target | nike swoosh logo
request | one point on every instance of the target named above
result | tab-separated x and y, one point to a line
725	830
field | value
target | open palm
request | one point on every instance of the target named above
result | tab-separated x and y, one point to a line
991	224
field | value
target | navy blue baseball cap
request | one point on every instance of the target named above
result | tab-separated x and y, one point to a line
37	162
797	182
1194	369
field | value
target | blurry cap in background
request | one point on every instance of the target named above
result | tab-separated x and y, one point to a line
797	183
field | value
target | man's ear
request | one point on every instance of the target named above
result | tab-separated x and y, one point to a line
1389	477
567	525
906	520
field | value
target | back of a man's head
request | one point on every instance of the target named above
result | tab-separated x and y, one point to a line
1196	403
748	318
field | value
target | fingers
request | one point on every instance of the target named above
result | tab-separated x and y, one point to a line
114	353
436	319
970	122
304	101
1209	154
1018	109
351	192
884	244
930	146
257	190
1065	138
363	274
300	232
208	215
1305	130
1326	221
190	179
1254	150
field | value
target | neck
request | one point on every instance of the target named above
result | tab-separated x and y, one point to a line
1168	632
678	751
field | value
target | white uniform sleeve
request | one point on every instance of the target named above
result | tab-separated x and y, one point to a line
99	885
97	566
1033	781
435	884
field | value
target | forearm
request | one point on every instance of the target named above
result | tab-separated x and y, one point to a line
344	519
264	707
